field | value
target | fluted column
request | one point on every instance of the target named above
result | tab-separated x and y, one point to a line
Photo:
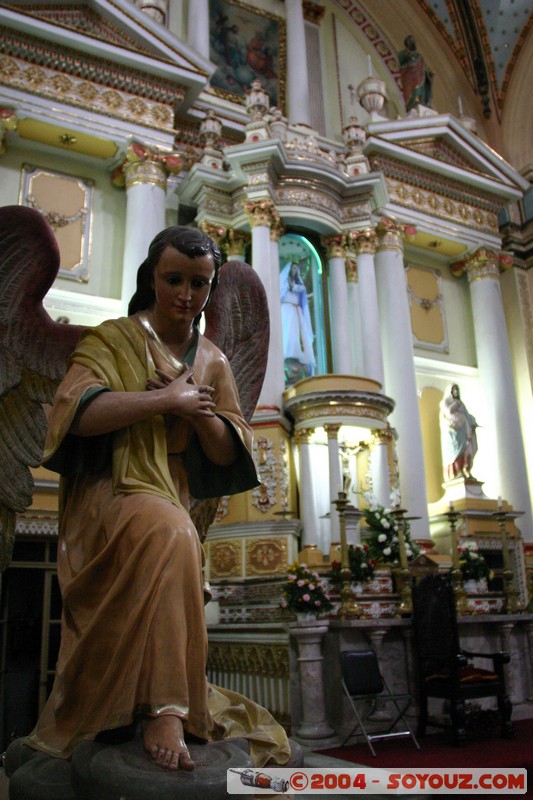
198	26
400	380
365	247
379	465
262	216
355	338
146	182
298	98
335	482
496	376
308	515
339	311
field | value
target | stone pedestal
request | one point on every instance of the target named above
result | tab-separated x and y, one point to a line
314	729
100	771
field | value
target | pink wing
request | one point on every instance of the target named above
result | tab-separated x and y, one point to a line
238	322
33	357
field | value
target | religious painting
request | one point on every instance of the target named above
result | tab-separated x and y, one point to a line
66	202
301	308
246	44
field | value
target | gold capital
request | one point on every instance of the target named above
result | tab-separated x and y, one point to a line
260	212
214	231
332	430
482	263
335	245
391	233
364	241
235	242
303	436
8	122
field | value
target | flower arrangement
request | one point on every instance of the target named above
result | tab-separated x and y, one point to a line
383	542
472	563
304	591
362	567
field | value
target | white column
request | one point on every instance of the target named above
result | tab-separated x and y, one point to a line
308	515
368	299
339	310
145	217
298	101
496	377
335	483
276	338
261	215
354	315
198	26
400	380
379	466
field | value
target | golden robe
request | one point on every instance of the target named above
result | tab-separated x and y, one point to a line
130	563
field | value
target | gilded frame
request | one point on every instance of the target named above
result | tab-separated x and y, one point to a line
66	202
246	44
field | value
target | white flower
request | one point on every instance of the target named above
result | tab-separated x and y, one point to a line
382	537
387	551
386	523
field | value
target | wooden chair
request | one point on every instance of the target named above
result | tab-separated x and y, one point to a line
444	668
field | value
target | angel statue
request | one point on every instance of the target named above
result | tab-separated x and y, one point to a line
142	412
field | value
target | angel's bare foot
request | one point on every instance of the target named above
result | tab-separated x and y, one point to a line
164	741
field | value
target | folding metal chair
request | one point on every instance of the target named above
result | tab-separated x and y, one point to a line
362	681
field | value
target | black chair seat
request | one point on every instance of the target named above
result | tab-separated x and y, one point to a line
362	681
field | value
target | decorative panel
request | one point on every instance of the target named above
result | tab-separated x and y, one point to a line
66	202
428	320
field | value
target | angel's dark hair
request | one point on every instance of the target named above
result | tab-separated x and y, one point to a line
189	241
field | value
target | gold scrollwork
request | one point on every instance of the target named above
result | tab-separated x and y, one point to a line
260	212
224	559
270	660
266	556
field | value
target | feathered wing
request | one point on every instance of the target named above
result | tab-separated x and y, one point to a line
33	356
238	322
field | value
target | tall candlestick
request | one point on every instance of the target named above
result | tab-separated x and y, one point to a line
369	60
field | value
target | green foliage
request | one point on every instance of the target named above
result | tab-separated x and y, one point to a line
361	565
382	538
472	563
304	591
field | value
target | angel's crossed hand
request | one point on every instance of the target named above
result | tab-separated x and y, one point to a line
187	399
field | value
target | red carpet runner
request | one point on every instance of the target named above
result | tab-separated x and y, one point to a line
436	751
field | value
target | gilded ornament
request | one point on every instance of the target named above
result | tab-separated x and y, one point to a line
266	556
112	99
61	84
137	107
224	559
35	76
260	212
86	91
8	67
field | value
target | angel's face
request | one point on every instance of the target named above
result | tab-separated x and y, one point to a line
182	285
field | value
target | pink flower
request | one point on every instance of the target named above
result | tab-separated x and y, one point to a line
301	582
318	603
311	587
306	597
284	604
291	577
